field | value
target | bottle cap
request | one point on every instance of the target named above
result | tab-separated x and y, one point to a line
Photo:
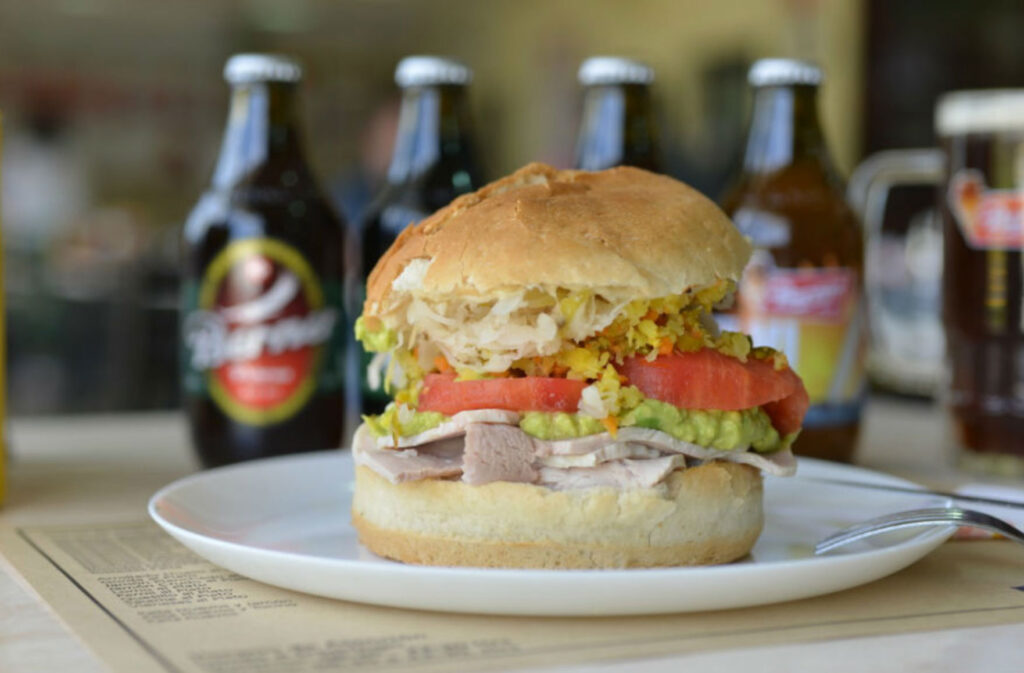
431	71
983	111
243	68
783	72
599	70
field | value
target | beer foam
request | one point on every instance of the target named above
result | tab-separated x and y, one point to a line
981	111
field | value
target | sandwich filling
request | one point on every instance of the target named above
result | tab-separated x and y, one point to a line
570	389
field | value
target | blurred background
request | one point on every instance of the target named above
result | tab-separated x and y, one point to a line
113	112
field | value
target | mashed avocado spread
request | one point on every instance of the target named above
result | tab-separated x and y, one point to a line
723	430
559	426
405	424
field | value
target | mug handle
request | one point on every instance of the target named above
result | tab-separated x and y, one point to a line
869	186
867	193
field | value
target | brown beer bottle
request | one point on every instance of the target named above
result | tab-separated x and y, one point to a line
262	325
801	292
617	127
433	161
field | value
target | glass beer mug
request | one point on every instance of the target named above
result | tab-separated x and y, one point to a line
970	342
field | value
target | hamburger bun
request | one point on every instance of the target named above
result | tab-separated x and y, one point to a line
623	233
711	513
502	283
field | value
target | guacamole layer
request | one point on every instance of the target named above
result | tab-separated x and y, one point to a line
723	430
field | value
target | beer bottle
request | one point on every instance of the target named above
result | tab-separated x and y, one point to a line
263	328
801	293
617	127
433	161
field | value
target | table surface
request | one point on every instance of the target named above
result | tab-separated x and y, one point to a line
114	463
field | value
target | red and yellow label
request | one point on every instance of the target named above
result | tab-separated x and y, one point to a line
812	315
258	330
989	219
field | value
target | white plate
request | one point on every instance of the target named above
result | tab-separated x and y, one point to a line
285	521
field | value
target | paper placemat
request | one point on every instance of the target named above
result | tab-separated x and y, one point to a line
144	603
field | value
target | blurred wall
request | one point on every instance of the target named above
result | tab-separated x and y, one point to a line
149	63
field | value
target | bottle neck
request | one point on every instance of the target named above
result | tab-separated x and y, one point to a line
784	129
262	127
433	125
617	128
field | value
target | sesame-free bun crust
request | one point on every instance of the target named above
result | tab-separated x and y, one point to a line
701	515
622	232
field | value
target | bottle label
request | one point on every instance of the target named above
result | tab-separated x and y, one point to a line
989	219
261	333
814	316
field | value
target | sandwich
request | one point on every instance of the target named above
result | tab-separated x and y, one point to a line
562	395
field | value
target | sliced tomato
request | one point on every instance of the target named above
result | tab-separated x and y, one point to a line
707	379
441	392
788	413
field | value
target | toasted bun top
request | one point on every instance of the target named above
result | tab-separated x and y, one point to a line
621	233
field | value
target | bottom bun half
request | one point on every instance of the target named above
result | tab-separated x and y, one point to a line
701	515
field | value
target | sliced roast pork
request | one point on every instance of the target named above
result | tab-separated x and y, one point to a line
453	427
598	454
498	453
623	474
778	463
439	459
485	446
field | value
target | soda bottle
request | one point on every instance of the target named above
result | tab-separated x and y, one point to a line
617	127
801	292
434	161
263	326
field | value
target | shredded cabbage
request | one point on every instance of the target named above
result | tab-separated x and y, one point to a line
373	370
545	332
488	335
